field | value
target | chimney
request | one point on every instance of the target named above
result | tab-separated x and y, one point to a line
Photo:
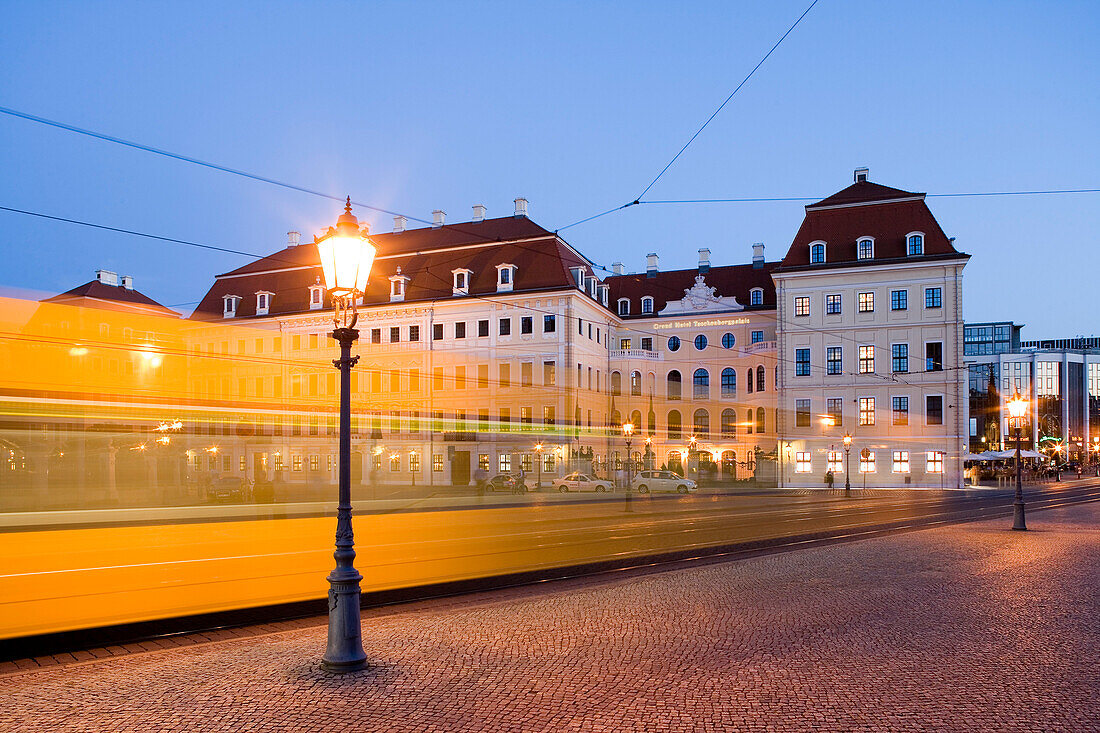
860	175
617	268
521	207
479	213
437	218
106	277
399	224
128	282
651	264
704	261
292	239
758	255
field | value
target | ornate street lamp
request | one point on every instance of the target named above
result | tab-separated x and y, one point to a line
847	467
538	467
346	259
1017	408
628	433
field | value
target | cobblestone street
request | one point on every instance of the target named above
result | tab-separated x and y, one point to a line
968	627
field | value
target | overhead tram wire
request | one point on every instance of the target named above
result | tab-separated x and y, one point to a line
818	198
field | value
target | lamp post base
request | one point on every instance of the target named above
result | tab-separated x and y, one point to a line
345	637
1018	515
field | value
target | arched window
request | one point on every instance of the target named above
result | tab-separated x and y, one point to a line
673	385
760	378
674	431
729	424
915	246
647	304
651	425
759	419
615	426
865	248
700	382
624	307
636	421
675	462
729	382
616	383
636	384
702	424
817	253
748	421
748	380
756	296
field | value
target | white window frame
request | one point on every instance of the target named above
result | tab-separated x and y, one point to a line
834	461
316	297
801	306
506	287
934	461
647	305
864	298
824	252
622	307
230	303
803	462
901	461
756	296
859	242
263	296
397	287
466	275
868	465
860	412
922	239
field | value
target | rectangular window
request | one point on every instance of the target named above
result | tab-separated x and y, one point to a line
933	410
505	326
414	333
504	463
624	344
901	461
505	372
437	379
525	464
482	376
526	372
526	324
899	300
460	377
802	305
647	343
395	421
933	356
414	380
437	331
483	420
460	330
376	335
525	419
834	461
757	337
549	324
548	415
834	407
802	413
437	462
866	359
901	410
867	302
834	360
802	362
549	373
482	328
899	358
867	461
395	334
483	461
933	297
802	462
934	462
832	304
866	410
414	462
395	381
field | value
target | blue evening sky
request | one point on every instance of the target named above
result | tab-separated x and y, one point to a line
576	106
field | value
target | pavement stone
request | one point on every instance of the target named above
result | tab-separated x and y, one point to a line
961	628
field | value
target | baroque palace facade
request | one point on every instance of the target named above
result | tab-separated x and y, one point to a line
483	339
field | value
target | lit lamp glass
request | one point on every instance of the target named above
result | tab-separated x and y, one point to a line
346	256
1017	407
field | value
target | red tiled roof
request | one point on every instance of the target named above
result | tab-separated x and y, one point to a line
116	293
869	212
424	255
728	280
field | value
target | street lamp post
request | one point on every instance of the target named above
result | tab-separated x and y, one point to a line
847	466
628	433
538	466
1017	407
346	259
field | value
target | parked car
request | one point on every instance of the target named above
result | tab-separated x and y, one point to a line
506	482
581	482
648	481
228	488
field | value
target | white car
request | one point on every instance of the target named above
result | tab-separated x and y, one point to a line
581	482
648	481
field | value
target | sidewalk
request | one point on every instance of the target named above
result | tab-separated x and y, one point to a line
969	627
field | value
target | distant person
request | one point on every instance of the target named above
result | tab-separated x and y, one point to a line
829	479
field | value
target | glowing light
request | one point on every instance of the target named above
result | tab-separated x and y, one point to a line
164	440
847	440
347	256
1017	406
377	451
78	350
538	447
212	449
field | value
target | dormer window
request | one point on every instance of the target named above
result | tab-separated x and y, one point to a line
624	306
397	286
817	253
461	284
591	286
578	276
316	296
604	289
756	296
915	247
263	302
647	304
506	278
865	249
229	305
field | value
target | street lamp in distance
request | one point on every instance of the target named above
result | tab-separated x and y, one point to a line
538	465
1017	408
347	256
847	466
628	433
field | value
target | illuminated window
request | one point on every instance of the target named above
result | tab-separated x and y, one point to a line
867	461
483	461
866	359
802	462
802	305
866	410
504	463
296	463
835	461
395	463
934	462
901	461
525	464
414	462
834	360
437	462
867	302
